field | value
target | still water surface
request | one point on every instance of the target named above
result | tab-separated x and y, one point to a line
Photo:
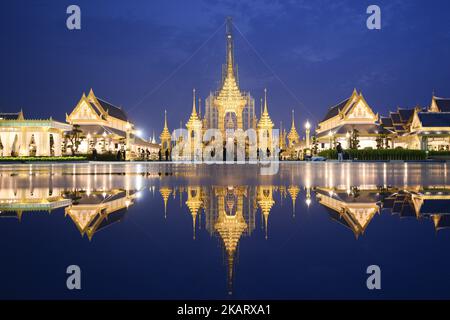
180	231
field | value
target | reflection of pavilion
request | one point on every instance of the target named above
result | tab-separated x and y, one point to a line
99	209
15	201
429	202
353	208
90	211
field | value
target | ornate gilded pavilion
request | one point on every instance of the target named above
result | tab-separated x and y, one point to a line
421	128
107	128
342	119
30	137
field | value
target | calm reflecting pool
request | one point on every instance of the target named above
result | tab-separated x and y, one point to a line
185	231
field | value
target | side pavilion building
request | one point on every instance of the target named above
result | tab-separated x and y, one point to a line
30	137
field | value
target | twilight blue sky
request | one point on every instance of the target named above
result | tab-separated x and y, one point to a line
148	55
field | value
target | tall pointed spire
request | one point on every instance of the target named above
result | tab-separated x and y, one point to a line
229	35
293	136
293	122
264	121
261	108
265	101
165	118
194	108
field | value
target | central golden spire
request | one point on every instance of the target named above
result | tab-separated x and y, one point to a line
230	63
229	99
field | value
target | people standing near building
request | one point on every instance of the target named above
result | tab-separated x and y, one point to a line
340	152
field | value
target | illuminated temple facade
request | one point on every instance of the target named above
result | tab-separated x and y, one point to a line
107	128
231	112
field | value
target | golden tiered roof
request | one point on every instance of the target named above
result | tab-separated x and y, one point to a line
165	134
229	97
194	121
293	136
265	122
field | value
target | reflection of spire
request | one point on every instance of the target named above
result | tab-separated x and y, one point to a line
194	203
230	229
265	202
293	192
165	193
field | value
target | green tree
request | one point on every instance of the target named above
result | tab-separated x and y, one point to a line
354	140
315	145
74	137
379	141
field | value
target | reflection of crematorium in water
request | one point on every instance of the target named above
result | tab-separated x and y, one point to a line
228	212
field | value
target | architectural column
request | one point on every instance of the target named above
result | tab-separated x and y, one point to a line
5	142
43	145
424	143
8	143
24	150
221	123
239	120
57	141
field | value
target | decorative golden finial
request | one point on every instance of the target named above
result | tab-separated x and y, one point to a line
293	122
230	71
194	109
165	118
265	101
261	108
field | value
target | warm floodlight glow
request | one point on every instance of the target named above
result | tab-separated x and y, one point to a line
307	125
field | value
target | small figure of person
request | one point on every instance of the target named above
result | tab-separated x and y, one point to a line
159	155
340	152
268	153
94	154
119	155
167	154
